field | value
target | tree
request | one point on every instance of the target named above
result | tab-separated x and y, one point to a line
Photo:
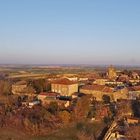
124	108
127	72
53	107
106	99
133	133
84	136
107	120
27	123
5	88
30	90
39	85
82	108
136	108
87	131
65	116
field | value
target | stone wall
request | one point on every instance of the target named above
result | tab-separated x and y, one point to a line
97	94
65	90
121	94
114	96
17	89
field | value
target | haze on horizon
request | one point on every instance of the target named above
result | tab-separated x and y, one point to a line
70	32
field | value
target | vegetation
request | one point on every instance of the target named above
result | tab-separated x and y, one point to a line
65	116
82	108
136	108
5	87
85	119
106	99
133	133
39	85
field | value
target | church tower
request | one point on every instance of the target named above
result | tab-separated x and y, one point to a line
112	72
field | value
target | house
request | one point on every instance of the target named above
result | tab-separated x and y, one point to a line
77	95
64	86
123	78
19	87
116	136
33	103
134	81
134	92
100	81
82	78
102	111
132	120
120	94
135	75
22	88
114	82
46	97
72	78
97	91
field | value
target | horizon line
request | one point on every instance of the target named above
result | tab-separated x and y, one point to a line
37	64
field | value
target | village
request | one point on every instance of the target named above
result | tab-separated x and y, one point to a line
111	97
117	86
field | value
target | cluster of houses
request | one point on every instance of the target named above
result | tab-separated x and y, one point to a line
68	88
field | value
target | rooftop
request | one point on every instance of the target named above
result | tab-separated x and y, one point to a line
134	88
49	94
64	82
21	83
98	88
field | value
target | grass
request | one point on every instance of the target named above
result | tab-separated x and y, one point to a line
62	134
67	133
10	134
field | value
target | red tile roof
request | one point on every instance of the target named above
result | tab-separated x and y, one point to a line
64	82
21	83
98	88
49	93
134	88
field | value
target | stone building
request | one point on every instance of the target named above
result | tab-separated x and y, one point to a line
22	88
112	72
19	87
98	91
135	75
64	86
100	81
134	92
120	94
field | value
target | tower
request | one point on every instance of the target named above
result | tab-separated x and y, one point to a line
112	72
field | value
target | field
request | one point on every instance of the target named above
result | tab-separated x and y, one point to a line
10	134
67	133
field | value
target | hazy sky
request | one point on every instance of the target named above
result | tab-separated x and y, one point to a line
70	31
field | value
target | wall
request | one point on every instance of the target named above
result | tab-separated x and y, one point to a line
121	94
65	90
17	89
97	94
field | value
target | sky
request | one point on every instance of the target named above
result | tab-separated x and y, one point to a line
70	32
